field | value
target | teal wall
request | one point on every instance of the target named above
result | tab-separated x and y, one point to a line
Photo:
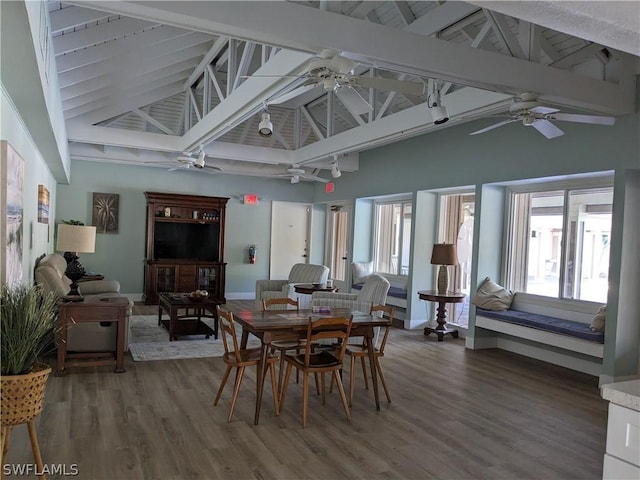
121	256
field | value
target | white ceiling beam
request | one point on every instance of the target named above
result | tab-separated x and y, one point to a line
216	84
312	123
103	32
441	17
503	31
194	103
482	35
361	9
290	25
529	39
149	119
614	24
245	63
277	136
463	105
135	43
580	55
405	12
248	98
71	17
82	133
216	48
114	67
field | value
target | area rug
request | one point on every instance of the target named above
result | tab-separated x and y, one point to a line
149	341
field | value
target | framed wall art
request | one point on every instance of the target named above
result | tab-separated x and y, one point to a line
43	204
11	210
106	212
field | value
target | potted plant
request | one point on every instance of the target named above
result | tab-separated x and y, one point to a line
27	326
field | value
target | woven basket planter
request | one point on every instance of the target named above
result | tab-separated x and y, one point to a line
23	395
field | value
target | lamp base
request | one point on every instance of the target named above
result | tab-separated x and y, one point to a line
443	279
75	271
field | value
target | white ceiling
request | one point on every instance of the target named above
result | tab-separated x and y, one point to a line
142	82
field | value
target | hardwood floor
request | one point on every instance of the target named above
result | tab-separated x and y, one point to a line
456	414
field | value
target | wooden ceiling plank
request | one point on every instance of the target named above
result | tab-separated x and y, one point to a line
72	17
529	39
245	62
405	12
123	46
194	103
363	8
586	52
444	16
216	83
98	34
112	67
312	123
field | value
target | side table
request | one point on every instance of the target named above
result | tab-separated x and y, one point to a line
308	289
442	299
108	309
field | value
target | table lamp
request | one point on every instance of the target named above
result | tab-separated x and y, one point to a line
444	254
74	239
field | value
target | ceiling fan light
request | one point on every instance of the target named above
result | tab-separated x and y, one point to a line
265	127
528	120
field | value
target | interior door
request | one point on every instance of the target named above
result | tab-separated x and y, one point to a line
338	244
290	231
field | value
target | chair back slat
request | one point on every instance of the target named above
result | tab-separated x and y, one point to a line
328	328
284	303
229	338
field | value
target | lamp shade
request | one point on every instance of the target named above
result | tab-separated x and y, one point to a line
76	238
444	254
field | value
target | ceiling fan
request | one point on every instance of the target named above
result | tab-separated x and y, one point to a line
333	72
526	109
296	174
187	162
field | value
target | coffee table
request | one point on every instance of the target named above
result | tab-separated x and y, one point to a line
190	322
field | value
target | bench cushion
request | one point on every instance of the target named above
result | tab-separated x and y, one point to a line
543	322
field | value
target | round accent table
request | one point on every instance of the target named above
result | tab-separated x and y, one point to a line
308	289
441	299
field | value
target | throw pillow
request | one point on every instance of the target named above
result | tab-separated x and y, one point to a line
361	270
597	324
492	296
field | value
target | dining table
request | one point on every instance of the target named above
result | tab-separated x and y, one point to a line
270	324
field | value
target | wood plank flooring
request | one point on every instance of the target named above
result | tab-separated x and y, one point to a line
456	414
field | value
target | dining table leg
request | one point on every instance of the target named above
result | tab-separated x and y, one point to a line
372	365
262	373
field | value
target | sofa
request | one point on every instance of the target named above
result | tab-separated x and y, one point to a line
299	273
82	337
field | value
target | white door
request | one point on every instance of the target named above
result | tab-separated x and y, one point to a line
290	229
338	244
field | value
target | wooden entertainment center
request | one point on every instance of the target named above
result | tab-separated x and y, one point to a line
184	245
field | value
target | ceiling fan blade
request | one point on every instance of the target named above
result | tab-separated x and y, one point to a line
314	178
546	128
379	83
353	101
292	94
595	119
495	125
543	110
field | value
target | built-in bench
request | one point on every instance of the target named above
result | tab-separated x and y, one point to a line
562	325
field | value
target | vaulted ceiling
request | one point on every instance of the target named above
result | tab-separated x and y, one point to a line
145	82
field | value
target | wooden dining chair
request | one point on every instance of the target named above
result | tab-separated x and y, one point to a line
320	361
360	351
283	343
240	359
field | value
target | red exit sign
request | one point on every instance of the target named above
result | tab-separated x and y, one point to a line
250	199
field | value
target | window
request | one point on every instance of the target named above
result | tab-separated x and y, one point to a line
559	242
393	237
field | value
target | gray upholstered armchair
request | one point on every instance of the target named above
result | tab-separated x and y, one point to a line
374	292
300	273
87	337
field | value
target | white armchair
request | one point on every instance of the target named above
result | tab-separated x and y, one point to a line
374	292
300	273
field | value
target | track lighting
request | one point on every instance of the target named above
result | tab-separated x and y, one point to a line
295	178
335	170
439	113
265	127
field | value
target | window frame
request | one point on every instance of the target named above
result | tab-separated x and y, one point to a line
566	185
403	201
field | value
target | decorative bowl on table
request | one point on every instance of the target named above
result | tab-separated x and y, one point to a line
317	284
198	295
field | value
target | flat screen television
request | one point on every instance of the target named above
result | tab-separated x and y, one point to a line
186	241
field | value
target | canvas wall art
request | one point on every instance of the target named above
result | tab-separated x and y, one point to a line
43	204
106	212
11	209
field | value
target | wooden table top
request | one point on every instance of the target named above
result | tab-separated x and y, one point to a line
258	320
183	299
